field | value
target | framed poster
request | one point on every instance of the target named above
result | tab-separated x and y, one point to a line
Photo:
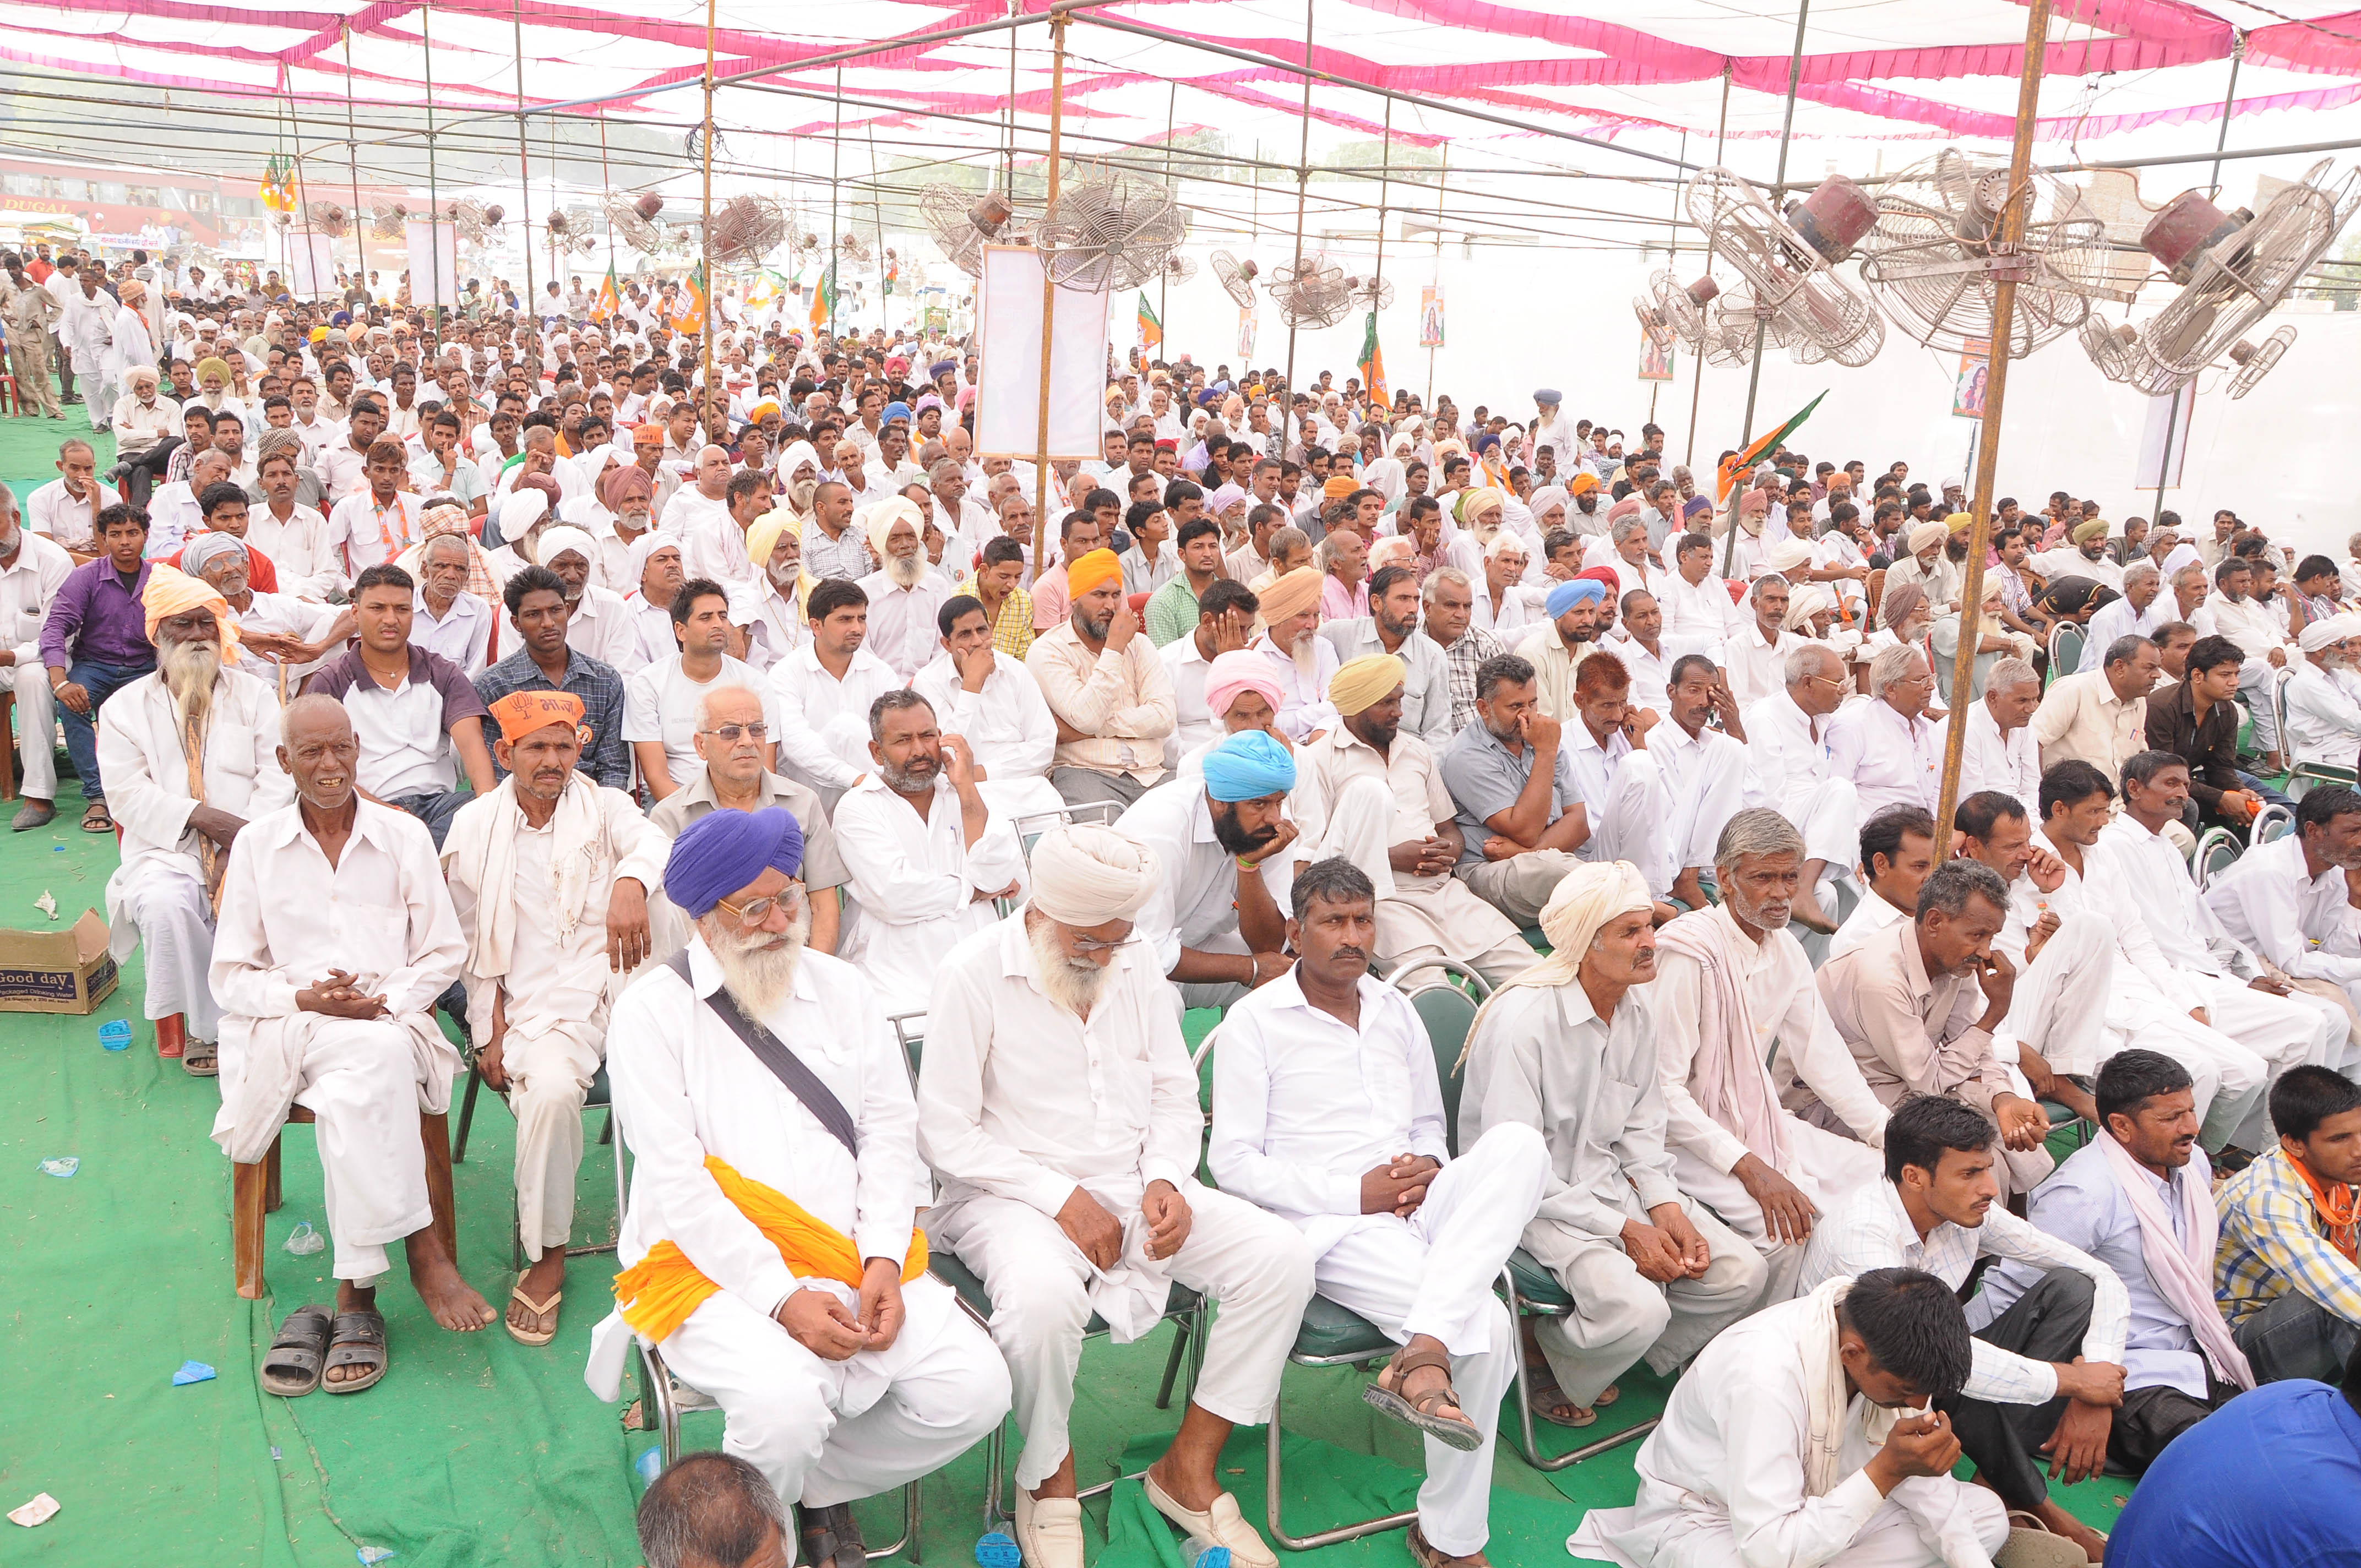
1245	332
1655	358
1430	316
1968	385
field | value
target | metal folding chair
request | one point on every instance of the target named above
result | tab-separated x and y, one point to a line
2217	850
601	1097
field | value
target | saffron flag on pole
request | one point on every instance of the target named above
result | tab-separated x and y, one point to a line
609	300
1738	462
1372	362
688	315
823	299
1151	331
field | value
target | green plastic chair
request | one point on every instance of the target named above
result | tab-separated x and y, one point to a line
599	1096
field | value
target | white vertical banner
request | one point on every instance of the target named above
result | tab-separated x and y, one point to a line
2164	440
1008	372
310	263
434	261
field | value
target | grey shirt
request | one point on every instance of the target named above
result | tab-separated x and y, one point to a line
822	867
1540	1056
1485	780
1426	689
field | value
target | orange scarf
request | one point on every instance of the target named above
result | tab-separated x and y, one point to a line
657	1294
2337	1211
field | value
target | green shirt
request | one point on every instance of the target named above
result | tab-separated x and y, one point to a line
1171	611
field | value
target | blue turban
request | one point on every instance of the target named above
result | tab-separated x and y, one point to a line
1565	596
894	412
722	852
1485	442
935	372
1248	766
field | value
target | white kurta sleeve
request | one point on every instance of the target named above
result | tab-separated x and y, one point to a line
436	951
149	809
888	1181
1773	1522
245	983
951	1100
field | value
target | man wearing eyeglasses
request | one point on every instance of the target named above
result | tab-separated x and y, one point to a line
551	876
1887	746
1788	770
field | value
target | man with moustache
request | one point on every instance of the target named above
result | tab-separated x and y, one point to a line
1218	916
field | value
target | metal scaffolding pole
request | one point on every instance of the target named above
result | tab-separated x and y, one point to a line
1786	136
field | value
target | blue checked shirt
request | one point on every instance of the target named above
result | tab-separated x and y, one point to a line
607	758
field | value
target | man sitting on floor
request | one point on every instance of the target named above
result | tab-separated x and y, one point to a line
1106	689
1732	977
1327	1111
1566	1049
2047	1370
711	1509
1057	1107
2138	1197
770	1246
1222	837
192	749
550	875
1798	1437
336	936
2287	1275
1373	795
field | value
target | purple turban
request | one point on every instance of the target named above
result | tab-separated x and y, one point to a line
724	851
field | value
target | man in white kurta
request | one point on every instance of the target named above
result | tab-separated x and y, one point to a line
904	593
838	1378
1328	1111
1057	1105
1652	1272
550	874
823	690
986	697
1886	746
2287	902
1781	1448
925	854
1703	769
1622	790
1999	752
1739	1022
1217	918
1791	771
32	570
179	821
336	936
2323	716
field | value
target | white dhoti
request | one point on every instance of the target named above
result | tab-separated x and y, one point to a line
2256	679
1667	1528
166	905
550	1076
1702	803
825	1433
1618	1316
1253	1263
1826	1167
360	1082
2060	1006
1433	1274
1418	917
1631	823
1827	812
37	740
2227	1080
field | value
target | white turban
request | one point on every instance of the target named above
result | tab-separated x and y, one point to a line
877	521
555	541
2318	635
1788	555
1805	600
798	454
1589	895
1086	874
520	510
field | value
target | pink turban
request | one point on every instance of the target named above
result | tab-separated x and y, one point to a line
1241	670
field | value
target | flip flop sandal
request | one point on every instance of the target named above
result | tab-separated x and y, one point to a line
1460	1434
292	1365
1546	1399
829	1535
200	1058
1425	1552
357	1339
95	819
538	1308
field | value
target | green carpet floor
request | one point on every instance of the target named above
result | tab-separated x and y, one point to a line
28	447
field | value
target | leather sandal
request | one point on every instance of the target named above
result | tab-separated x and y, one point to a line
829	1535
1461	1434
356	1339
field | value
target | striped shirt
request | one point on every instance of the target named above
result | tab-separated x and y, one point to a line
2273	1240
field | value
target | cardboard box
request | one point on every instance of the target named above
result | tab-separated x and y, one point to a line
63	970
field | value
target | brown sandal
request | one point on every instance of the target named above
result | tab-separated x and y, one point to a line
200	1058
1461	1434
94	819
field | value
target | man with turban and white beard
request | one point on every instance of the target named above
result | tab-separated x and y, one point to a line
1301	659
189	751
1057	1104
769	611
1366	792
770	1246
627	496
1566	1049
1328	1111
904	593
550	874
925	854
599	624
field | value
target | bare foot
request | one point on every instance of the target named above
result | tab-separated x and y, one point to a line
541	1281
1809	916
454	1302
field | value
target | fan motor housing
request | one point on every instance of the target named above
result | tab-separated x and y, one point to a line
1834	217
2185	228
1703	293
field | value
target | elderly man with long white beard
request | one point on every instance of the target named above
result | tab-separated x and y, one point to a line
1328	1111
550	874
927	856
1057	1104
1801	1436
769	610
1300	660
903	593
189	754
1566	1049
770	1246
336	935
1739	1020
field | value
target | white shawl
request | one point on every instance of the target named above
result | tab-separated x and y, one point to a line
482	847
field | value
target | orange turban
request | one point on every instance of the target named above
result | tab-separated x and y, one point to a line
1581	484
170	592
520	713
1340	485
1090	570
1290	594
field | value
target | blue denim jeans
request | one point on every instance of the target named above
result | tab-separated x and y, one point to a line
101	681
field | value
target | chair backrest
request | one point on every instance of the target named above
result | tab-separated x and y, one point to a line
910	1032
1448	1014
1031	824
2217	851
2273	821
2066	641
2279	679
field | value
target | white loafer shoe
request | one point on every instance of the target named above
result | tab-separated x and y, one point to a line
1049	1530
1221	1523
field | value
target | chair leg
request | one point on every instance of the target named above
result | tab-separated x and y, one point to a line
909	1536
434	1131
171	1037
1274	1489
466	1114
271	1195
1529	1449
1183	1330
246	1211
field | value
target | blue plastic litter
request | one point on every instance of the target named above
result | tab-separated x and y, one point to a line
650	1465
193	1371
369	1555
998	1549
116	1034
62	1166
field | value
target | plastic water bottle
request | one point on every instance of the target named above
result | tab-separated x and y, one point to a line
1198	1553
998	1549
304	1241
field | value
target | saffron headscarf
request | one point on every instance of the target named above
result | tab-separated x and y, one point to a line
170	592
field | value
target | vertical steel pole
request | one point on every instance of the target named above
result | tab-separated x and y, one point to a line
1778	189
1049	297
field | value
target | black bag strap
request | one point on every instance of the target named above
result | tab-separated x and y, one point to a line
785	1065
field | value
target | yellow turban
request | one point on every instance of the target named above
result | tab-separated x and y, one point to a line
1369	679
764	537
2094	529
1087	572
1290	594
209	364
1960	521
319	335
170	592
1474	503
877	523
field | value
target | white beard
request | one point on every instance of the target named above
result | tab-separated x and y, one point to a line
1074	984
1306	653
760	978
905	572
190	672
